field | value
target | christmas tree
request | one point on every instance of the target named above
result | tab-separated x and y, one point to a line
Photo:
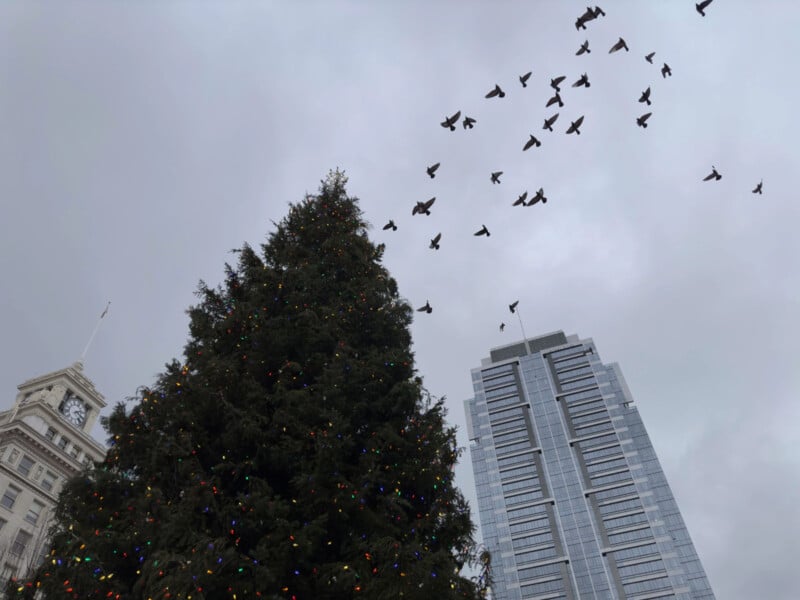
293	454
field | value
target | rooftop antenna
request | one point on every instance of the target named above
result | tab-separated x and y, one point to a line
94	333
514	308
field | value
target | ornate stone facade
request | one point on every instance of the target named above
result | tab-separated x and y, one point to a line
44	440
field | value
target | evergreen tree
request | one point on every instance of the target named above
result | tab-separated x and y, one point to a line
293	455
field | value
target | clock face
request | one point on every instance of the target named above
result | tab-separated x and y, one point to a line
74	411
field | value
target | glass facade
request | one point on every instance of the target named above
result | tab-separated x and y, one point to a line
572	500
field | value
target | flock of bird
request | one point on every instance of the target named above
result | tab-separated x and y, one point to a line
450	123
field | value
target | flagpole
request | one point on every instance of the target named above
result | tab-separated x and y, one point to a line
94	333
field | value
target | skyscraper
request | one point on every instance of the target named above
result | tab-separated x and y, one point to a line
572	500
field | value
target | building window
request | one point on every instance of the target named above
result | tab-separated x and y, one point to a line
12	458
20	543
48	481
7	572
25	465
2	524
10	497
62	442
34	512
50	434
75	451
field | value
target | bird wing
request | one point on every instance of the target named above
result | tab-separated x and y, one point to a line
426	205
704	4
552	100
525	77
449	121
579	122
558	80
436	239
433	168
708	177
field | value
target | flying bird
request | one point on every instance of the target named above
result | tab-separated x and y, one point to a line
431	171
496	92
583	81
649	57
584	49
451	121
554	99
390	225
548	123
665	70
702	6
523	79
496	176
427	308
521	199
574	127
539	196
513	306
757	190
556	81
713	175
619	46
502	326
645	97
423	208
589	15
531	142
483	231
468	122
642	121
435	242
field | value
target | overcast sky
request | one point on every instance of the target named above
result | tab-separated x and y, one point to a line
141	141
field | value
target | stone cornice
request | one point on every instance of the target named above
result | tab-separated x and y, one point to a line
60	459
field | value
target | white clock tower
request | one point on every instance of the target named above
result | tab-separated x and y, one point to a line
44	440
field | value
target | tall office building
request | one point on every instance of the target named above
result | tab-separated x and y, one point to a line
572	500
